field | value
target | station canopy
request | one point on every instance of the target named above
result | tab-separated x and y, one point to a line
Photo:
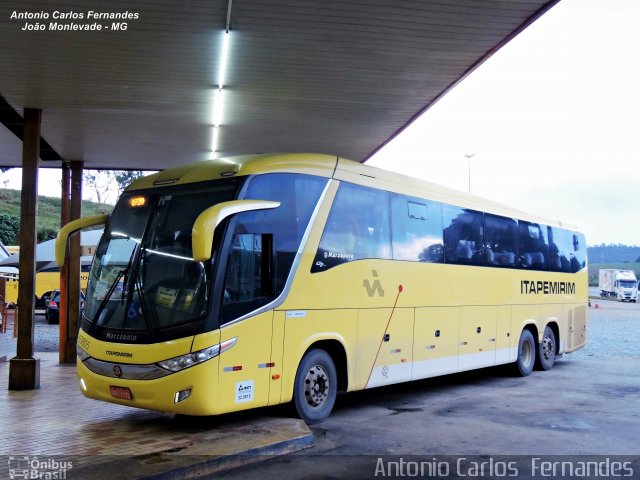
171	86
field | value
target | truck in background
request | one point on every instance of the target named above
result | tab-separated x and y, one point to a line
619	284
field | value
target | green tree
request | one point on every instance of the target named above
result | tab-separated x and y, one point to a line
100	182
124	177
4	170
105	182
9	228
45	233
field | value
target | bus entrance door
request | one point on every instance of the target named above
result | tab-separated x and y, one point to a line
245	369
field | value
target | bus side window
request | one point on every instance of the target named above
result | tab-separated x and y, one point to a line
416	229
463	236
533	246
578	253
279	231
357	228
501	241
249	275
561	247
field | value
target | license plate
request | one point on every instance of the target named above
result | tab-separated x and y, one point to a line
123	393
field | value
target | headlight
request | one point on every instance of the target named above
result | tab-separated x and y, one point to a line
176	364
82	355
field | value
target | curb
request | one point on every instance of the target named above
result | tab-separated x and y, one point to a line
196	460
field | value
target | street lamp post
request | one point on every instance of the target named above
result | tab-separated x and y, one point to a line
469	155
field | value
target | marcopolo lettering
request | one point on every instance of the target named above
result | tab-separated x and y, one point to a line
121	337
544	287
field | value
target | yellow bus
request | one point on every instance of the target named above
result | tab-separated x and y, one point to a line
47	280
258	280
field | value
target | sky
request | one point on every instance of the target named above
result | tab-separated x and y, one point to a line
552	121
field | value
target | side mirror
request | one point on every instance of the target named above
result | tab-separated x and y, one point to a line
69	228
207	221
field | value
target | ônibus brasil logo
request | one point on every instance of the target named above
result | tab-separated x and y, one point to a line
25	467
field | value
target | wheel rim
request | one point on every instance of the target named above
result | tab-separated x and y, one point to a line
548	348
527	354
316	386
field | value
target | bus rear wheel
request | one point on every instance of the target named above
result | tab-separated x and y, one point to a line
526	353
547	350
315	388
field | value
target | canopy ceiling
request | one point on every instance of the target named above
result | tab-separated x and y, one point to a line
332	76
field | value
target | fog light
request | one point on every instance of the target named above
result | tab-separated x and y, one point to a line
84	385
182	395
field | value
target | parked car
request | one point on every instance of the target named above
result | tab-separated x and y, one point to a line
52	308
42	303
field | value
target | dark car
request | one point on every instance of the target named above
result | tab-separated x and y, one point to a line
52	309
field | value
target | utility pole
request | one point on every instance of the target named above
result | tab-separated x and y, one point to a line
469	155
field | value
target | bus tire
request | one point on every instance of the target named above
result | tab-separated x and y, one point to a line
547	350
316	386
526	353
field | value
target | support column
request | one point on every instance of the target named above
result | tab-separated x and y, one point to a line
65	215
3	289
73	297
24	369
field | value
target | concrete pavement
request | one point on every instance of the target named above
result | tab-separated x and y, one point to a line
585	409
586	406
7	346
56	424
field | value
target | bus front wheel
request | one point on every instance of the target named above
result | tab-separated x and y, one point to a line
547	350
315	387
526	353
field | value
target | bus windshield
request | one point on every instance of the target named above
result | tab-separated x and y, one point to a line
143	276
144	285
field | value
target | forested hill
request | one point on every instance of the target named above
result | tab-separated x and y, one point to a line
48	215
613	253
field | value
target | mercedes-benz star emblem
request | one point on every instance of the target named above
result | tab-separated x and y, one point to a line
117	371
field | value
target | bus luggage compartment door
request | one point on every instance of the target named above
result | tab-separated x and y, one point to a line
384	357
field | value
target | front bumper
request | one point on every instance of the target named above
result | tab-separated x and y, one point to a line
160	393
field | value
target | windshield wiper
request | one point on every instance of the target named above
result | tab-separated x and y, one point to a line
136	284
127	271
122	273
106	298
143	306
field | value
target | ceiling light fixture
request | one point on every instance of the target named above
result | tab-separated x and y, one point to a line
214	140
218	95
224	57
218	104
